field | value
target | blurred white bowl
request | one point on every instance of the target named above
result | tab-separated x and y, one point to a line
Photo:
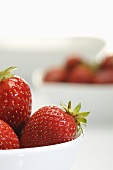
54	157
34	52
95	98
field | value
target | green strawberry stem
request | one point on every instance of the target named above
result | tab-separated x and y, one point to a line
5	74
80	117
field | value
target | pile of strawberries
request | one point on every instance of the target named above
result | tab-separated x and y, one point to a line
76	70
47	126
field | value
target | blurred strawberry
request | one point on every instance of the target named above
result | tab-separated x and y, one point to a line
15	99
107	63
55	75
72	61
103	77
51	125
80	74
8	138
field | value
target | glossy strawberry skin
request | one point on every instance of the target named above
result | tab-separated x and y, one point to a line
47	126
15	101
8	138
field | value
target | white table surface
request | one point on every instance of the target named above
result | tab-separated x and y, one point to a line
96	152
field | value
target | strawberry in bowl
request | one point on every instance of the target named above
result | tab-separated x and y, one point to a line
50	140
51	125
15	99
8	138
50	137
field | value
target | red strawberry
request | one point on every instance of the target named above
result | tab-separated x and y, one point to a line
8	138
107	63
55	75
51	125
15	99
80	74
103	77
72	61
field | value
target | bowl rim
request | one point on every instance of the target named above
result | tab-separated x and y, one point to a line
22	151
31	43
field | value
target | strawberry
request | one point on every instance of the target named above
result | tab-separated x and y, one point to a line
52	125
72	61
107	62
8	138
104	76
55	75
15	99
80	74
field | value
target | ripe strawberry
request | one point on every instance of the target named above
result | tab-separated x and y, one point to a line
103	77
15	99
107	63
51	125
72	61
80	74
55	75
8	138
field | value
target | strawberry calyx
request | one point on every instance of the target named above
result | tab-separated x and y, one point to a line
80	117
5	74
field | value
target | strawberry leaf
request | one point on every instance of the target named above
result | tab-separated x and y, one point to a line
83	114
69	105
5	74
83	120
77	109
79	116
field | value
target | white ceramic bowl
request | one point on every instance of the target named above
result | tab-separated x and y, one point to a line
54	157
30	53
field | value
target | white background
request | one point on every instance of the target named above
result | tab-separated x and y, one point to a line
49	18
56	18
